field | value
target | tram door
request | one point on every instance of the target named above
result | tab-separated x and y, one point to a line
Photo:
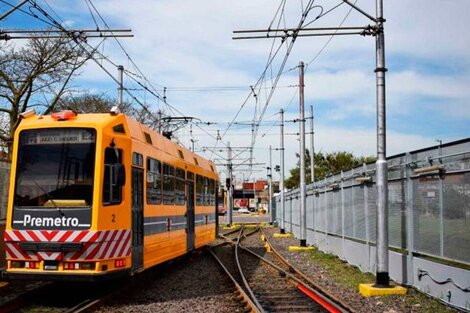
137	218
190	212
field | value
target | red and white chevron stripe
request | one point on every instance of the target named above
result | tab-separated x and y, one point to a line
98	245
13	251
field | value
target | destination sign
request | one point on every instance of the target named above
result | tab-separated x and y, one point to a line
57	136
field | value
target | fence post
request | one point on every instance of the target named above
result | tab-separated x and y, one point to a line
326	213
342	212
313	211
291	228
353	208
441	210
410	219
366	214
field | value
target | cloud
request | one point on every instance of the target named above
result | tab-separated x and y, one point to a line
188	43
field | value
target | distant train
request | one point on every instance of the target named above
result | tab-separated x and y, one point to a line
101	195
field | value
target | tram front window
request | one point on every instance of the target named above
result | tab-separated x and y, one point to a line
55	167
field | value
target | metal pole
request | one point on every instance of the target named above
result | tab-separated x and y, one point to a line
270	182
120	87
159	120
230	187
192	139
312	150
303	219
254	195
281	183
410	230
382	279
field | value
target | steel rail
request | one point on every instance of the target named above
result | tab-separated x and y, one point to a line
306	289
23	300
224	236
242	275
303	276
240	290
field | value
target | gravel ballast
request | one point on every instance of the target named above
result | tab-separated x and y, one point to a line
190	284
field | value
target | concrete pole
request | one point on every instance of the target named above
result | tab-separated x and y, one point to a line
303	215
281	183
312	148
230	187
270	186
383	278
120	86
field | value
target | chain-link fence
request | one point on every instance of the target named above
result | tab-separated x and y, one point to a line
428	209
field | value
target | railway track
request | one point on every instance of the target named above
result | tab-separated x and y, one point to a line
270	282
61	297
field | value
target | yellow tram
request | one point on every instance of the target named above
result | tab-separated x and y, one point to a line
101	195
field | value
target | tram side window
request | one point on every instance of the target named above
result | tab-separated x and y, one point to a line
206	191
168	184
211	192
154	181
199	190
179	186
112	184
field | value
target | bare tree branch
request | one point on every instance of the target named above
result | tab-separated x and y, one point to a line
26	72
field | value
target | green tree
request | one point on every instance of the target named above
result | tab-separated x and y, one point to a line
325	164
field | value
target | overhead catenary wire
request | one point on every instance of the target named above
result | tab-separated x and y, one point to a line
55	24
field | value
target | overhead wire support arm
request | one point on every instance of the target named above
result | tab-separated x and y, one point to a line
295	29
367	30
363	33
32	31
82	34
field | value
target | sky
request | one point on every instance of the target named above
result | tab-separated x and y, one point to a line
187	47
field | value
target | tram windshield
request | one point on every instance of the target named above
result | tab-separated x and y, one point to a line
55	167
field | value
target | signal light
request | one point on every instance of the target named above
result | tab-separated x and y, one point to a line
31	265
71	266
64	115
120	263
79	265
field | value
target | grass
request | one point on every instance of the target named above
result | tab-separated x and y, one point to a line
350	277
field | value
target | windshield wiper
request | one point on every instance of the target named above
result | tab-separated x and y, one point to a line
49	197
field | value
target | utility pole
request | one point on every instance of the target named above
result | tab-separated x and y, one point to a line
270	186
159	119
281	183
120	86
383	278
303	219
230	185
312	149
376	30
254	195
